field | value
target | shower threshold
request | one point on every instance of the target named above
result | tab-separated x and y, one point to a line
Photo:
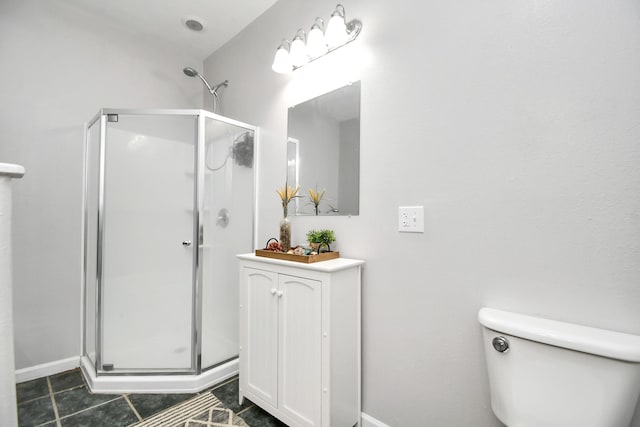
122	384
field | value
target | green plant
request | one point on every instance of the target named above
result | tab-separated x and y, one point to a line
321	238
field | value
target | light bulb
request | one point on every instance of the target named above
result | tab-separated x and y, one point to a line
298	53
316	45
336	31
282	61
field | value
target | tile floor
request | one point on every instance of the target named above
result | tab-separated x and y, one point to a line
63	400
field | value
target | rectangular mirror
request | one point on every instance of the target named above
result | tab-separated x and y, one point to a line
323	152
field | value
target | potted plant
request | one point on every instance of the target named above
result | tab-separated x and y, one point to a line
319	238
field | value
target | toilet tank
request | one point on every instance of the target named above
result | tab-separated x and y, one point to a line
557	374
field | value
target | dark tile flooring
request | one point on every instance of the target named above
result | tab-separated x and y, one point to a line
63	400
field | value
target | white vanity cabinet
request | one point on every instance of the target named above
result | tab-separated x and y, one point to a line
300	339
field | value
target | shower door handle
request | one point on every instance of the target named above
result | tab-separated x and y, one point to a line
186	243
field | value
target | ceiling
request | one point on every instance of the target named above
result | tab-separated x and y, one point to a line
164	20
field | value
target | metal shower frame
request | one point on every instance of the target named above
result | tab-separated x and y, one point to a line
103	115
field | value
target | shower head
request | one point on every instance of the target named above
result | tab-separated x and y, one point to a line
191	72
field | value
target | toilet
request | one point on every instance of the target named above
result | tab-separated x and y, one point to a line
546	373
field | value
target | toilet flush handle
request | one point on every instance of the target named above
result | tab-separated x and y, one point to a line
501	344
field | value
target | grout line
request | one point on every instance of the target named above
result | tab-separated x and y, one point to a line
92	407
34	398
53	403
69	389
245	409
133	408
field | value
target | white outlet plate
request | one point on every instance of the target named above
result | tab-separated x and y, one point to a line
411	219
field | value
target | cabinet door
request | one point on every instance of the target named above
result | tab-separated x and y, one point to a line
259	354
299	373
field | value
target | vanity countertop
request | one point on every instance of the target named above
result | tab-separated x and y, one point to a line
324	266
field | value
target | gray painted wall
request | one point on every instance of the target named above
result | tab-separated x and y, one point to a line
58	67
349	167
516	125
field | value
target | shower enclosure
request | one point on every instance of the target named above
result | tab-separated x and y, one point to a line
169	201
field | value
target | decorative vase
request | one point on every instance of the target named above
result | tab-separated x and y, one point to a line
285	232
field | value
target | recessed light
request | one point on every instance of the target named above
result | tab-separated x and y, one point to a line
194	24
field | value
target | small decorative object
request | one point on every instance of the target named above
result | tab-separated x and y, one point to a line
315	197
286	194
273	245
319	238
273	249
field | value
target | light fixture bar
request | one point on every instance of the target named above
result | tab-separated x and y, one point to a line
319	42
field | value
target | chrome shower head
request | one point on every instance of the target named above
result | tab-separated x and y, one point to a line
190	72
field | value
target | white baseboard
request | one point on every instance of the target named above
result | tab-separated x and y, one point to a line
46	369
369	421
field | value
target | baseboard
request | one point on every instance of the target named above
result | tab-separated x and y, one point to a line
369	421
46	369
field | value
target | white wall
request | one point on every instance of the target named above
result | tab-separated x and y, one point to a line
516	124
58	67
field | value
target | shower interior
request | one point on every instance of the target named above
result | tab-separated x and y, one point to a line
169	201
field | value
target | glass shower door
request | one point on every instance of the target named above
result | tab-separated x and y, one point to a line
228	230
147	288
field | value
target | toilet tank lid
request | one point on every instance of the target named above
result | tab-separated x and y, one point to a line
601	342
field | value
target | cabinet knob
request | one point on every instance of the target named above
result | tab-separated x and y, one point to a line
279	293
273	291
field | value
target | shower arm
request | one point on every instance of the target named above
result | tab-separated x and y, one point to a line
206	83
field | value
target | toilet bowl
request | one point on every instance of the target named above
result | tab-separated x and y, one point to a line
546	373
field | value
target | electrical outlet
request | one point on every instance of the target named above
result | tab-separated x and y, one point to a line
411	219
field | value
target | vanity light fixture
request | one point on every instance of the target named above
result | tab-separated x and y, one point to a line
304	49
337	32
282	61
316	43
298	52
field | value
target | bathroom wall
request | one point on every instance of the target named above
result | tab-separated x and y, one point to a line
348	197
59	66
516	124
